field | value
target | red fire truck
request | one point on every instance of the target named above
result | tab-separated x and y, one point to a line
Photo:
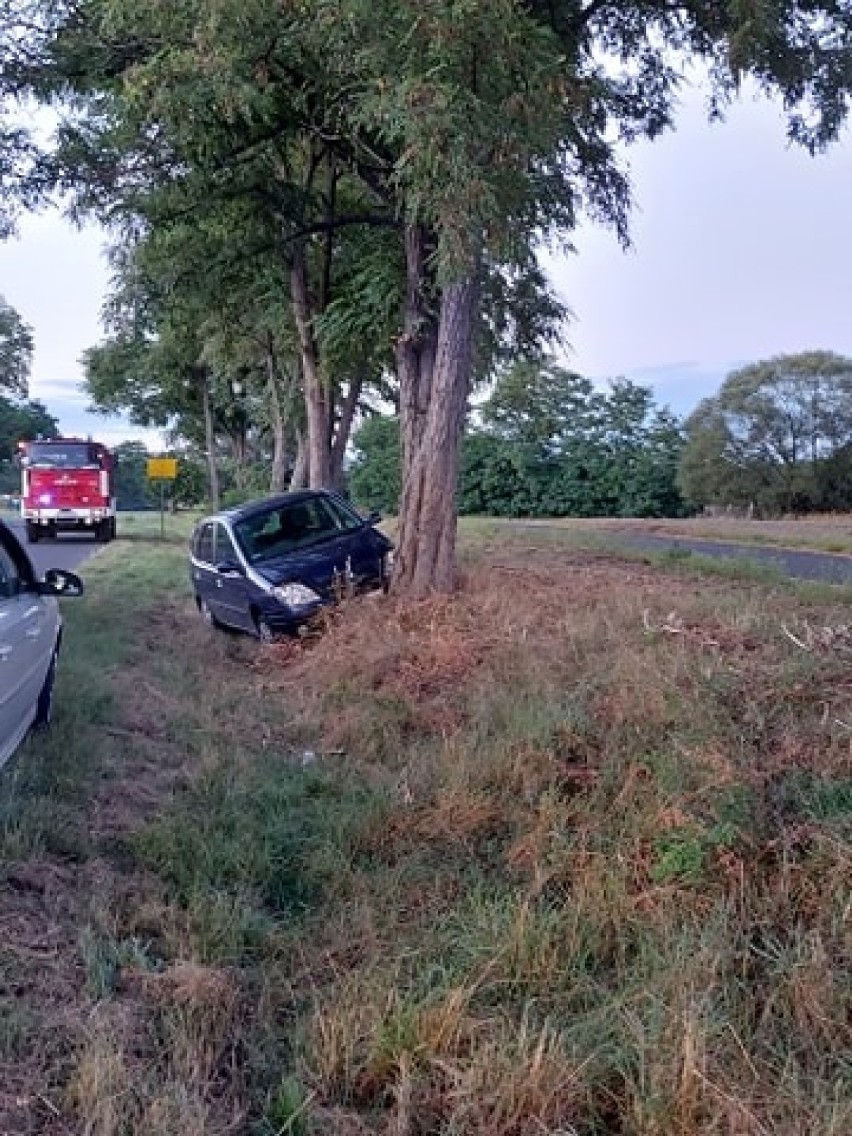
67	485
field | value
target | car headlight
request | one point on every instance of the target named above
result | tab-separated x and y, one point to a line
295	595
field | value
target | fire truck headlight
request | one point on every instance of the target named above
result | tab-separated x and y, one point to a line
45	499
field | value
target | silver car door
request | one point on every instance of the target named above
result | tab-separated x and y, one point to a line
25	652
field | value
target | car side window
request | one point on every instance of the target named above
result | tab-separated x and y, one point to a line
225	549
204	544
344	518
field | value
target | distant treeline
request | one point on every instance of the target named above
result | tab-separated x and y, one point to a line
776	438
546	443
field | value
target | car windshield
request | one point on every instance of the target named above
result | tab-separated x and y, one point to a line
284	528
63	456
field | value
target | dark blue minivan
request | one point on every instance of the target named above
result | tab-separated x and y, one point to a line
268	566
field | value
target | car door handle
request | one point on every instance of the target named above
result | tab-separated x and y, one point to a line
5	653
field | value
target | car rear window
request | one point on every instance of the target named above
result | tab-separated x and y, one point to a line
284	528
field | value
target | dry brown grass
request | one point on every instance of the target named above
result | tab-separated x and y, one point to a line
573	856
647	804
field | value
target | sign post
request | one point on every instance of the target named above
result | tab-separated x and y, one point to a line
162	470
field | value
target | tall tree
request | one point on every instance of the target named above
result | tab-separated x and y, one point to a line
493	123
477	127
769	433
19	421
16	351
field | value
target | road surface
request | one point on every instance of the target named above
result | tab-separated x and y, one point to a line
68	551
826	567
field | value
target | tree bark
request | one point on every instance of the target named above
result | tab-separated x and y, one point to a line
348	410
317	402
299	478
433	407
278	475
209	439
415	351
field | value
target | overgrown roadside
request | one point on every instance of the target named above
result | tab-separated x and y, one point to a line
568	853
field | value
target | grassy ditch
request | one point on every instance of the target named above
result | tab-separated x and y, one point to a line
569	853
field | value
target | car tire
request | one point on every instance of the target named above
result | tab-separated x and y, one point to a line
206	613
44	706
102	535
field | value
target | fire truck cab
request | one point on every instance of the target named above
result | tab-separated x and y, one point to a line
67	485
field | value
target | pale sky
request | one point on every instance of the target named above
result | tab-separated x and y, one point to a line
742	249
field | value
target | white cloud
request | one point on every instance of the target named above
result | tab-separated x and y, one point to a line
55	390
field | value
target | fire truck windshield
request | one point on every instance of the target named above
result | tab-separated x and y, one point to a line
62	455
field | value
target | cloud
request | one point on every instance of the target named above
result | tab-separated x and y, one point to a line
682	385
75	421
66	391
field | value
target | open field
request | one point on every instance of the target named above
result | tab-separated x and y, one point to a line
825	532
569	853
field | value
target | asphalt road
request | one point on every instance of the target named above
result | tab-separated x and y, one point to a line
67	551
826	567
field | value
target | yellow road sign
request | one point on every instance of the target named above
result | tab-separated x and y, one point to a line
162	469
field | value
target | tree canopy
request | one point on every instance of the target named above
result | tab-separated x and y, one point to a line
547	443
381	173
16	351
778	435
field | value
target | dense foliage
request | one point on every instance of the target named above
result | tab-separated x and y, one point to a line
341	196
19	421
16	351
547	443
776	438
135	491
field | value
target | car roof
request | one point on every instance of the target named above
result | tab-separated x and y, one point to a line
254	508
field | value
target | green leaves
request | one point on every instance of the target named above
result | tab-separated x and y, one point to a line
16	351
774	436
549	444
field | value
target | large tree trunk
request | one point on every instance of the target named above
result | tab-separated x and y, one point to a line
317	402
299	478
415	352
433	417
343	430
278	475
209	439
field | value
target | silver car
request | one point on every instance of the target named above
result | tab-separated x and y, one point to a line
30	635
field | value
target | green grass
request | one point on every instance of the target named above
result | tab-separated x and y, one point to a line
173	528
571	855
40	792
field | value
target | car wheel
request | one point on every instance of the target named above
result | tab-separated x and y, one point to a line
102	535
207	612
44	706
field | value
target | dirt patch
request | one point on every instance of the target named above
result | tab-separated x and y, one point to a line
41	985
